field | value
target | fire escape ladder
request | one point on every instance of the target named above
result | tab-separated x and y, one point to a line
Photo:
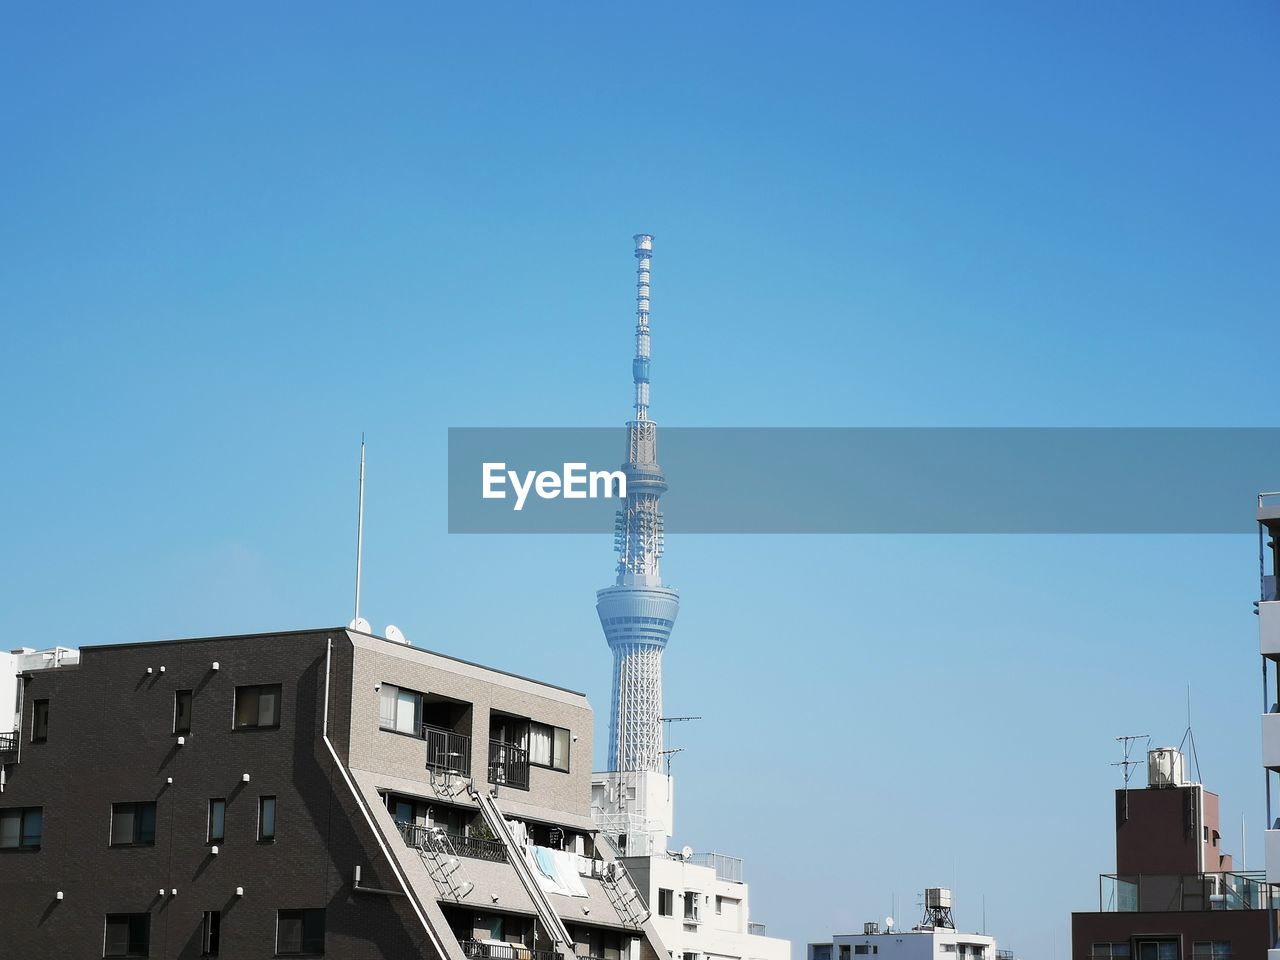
442	863
623	894
551	922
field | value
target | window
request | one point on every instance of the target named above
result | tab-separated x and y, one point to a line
862	949
128	935
399	709
666	900
133	824
299	932
844	951
40	721
182	711
1106	951
1157	950
210	933
1211	950
217	820
266	818
548	746
691	905
21	827
258	706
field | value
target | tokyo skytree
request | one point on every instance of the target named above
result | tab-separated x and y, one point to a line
638	612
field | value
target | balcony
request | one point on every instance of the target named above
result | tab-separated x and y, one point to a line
496	950
508	765
1174	893
756	929
1269	627
8	742
418	835
1271	740
447	751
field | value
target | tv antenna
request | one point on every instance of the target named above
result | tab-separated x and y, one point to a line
1127	765
356	622
1192	737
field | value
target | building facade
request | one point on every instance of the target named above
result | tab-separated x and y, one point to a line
311	793
701	908
1268	609
1175	895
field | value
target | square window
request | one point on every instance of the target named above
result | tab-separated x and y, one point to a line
21	827
182	711
40	721
299	933
399	710
133	825
266	818
548	746
217	820
258	706
127	935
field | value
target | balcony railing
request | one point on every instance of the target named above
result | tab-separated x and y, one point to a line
755	929
8	741
508	765
479	950
417	835
1161	893
726	867
447	750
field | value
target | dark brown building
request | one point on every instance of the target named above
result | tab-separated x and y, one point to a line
313	793
1175	894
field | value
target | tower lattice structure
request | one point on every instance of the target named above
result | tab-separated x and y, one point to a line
638	612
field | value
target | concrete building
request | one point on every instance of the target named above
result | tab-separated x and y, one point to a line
311	793
1175	895
1268	517
934	938
701	907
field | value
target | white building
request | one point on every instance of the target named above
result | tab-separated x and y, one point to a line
13	664
935	938
700	907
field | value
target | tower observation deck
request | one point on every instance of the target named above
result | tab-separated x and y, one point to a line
638	612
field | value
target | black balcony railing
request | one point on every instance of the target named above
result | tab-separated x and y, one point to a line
417	835
8	741
496	951
447	750
508	765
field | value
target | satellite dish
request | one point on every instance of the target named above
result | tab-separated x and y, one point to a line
686	852
360	624
395	636
888	923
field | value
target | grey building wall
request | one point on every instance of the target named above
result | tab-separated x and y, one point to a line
111	740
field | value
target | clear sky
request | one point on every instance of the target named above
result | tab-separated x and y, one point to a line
234	236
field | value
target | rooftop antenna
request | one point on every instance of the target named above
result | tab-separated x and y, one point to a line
1127	765
1192	737
356	622
671	753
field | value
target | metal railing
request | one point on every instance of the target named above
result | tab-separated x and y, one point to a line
726	867
755	929
447	750
1164	893
415	835
508	765
478	950
8	741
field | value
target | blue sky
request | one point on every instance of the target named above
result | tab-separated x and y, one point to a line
234	237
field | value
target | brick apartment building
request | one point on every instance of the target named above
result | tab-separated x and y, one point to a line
1175	895
310	793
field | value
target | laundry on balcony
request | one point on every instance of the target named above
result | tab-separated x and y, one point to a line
556	871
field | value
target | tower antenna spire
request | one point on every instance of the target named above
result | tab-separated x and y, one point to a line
638	612
355	622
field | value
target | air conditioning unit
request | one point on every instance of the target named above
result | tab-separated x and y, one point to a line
1165	768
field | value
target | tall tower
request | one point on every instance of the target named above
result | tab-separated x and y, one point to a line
638	612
